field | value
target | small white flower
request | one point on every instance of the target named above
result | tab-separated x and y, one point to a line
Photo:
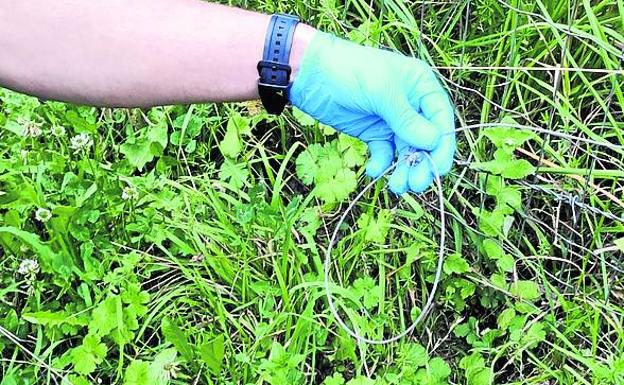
43	215
31	129
58	131
81	142
28	268
24	154
129	193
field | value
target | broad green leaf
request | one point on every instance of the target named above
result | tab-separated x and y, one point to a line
490	222
412	354
504	318
527	290
505	165
361	380
337	188
52	319
232	145
508	138
334	379
376	229
137	373
177	338
482	376
438	369
212	353
455	264
506	263
159	368
353	150
307	164
138	152
87	356
534	335
492	249
236	174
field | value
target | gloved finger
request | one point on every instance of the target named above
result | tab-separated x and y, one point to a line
420	176
442	155
438	109
381	155
410	126
398	182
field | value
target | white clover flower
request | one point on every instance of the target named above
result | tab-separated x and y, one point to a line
28	268
129	193
81	142
31	129
43	215
58	131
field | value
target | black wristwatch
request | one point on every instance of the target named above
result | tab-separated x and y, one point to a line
274	69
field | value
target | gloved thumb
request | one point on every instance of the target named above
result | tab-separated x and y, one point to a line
410	126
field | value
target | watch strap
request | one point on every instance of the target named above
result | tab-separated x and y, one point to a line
274	69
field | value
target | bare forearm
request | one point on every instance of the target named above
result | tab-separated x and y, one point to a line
133	53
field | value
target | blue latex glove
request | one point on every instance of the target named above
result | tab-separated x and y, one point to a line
392	102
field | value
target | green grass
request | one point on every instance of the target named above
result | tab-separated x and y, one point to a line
185	246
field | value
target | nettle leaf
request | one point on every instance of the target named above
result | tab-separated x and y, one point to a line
508	138
376	229
506	166
456	264
87	356
527	290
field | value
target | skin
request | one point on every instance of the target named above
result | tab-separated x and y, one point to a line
138	53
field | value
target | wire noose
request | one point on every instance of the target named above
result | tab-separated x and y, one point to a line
412	157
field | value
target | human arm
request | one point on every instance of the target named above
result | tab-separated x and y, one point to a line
135	53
